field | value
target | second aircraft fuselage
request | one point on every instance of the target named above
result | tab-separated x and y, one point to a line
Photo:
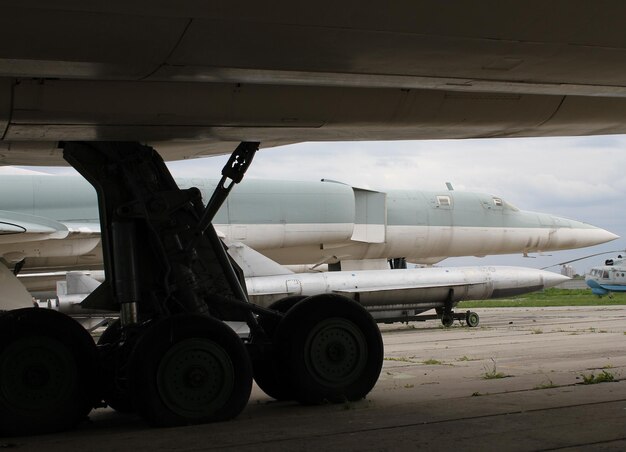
314	222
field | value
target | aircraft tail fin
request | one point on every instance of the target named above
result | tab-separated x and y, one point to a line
78	283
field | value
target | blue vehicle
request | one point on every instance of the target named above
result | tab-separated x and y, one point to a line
611	277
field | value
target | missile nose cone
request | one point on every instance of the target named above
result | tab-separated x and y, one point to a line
551	279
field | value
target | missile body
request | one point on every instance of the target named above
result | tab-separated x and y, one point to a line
389	295
402	294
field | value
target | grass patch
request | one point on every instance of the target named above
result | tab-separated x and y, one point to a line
476	394
431	362
466	358
537	331
492	374
549	297
548	385
401	359
602	377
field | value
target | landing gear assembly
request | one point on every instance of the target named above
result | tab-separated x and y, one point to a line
172	358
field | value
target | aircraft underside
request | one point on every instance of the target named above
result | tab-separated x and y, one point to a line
171	357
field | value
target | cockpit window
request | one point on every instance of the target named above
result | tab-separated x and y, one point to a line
499	203
444	201
508	205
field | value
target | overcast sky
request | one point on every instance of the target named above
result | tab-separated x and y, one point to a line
580	178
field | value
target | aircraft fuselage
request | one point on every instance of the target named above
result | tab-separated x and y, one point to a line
307	223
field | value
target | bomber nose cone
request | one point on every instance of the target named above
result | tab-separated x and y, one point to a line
570	234
595	236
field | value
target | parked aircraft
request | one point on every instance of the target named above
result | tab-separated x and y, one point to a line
192	79
611	277
53	221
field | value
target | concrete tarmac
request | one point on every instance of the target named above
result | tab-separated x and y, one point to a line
513	383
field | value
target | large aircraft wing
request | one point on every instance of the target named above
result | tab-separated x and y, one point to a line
19	227
194	78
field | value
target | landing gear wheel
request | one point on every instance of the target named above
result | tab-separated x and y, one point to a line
112	333
285	304
331	349
447	320
189	369
47	368
472	319
116	392
266	370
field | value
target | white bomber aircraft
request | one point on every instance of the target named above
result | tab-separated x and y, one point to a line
51	223
193	79
302	222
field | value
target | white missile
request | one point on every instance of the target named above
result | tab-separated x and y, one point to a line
400	295
389	295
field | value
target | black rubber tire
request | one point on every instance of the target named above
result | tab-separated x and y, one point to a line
189	369
331	350
447	320
112	333
266	369
48	381
472	319
114	394
283	305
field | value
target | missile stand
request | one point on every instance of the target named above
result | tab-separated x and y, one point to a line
447	315
172	356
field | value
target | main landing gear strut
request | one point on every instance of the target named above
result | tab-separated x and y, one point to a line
171	357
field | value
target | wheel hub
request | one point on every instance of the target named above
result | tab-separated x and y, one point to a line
37	373
194	377
335	352
36	376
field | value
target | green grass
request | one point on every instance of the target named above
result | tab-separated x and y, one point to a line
402	359
603	377
549	297
431	362
491	374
